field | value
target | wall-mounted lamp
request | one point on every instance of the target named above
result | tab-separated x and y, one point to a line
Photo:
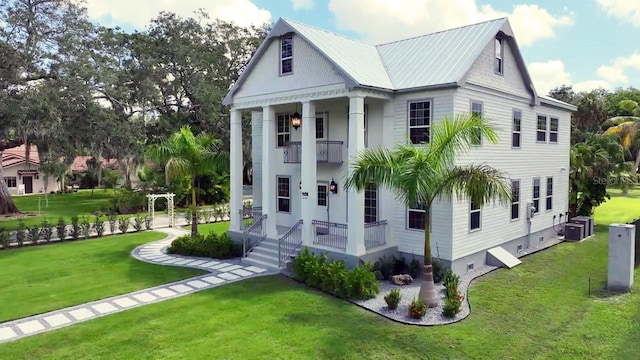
296	119
333	187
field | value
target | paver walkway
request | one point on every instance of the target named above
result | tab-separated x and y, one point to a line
220	272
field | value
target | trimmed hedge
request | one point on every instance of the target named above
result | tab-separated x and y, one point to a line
212	246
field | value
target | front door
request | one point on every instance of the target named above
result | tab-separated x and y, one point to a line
322	210
28	184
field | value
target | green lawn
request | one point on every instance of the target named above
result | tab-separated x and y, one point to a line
40	279
538	310
204	229
60	205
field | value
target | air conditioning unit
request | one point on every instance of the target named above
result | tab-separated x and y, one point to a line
587	222
573	232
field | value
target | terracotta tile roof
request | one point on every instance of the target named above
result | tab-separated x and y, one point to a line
80	163
18	154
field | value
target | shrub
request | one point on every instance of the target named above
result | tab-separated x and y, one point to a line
335	279
438	270
98	226
187	217
5	238
393	299
362	282
415	268
384	267
123	225
452	304
417	308
212	245
316	271
61	229
148	223
218	213
21	233
200	216
451	282
75	227
205	215
399	265
128	201
85	228
113	219
33	234
46	230
299	264
138	223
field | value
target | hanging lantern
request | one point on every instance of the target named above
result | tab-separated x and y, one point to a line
296	119
333	187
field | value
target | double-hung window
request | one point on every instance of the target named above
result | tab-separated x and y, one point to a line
549	193
515	199
415	217
286	55
541	132
284	194
474	216
476	111
11	181
553	130
536	195
516	129
283	129
499	62
322	195
419	121
371	203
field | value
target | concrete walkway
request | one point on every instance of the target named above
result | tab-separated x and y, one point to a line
220	272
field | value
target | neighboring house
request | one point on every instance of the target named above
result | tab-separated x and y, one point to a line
354	96
23	176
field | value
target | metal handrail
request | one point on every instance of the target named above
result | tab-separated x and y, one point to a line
375	234
253	230
285	244
330	234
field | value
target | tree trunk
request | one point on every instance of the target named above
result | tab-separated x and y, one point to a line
427	287
637	168
7	206
194	212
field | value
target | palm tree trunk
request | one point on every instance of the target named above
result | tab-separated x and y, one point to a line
427	287
637	161
194	213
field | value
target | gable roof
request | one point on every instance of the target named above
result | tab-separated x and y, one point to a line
18	155
439	59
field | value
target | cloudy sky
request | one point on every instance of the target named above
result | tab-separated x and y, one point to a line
585	43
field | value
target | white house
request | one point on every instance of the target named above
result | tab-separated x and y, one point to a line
353	96
22	175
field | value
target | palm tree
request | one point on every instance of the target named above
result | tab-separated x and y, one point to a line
187	155
421	175
628	128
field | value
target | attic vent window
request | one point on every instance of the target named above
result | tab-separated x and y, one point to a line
286	55
499	63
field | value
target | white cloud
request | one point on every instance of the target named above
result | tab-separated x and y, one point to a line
591	85
138	13
302	4
616	73
548	75
628	10
382	20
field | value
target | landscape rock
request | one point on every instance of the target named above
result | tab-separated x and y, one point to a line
404	279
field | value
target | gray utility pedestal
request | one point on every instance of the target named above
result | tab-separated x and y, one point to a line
621	257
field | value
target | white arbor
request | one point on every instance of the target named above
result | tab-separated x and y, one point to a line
170	208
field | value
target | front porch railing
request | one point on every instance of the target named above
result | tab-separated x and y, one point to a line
375	234
289	242
330	234
249	216
254	234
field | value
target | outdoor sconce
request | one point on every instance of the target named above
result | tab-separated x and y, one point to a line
296	119
333	187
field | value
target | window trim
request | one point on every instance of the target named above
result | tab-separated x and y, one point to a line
278	177
546	128
6	181
377	200
278	133
417	210
515	202
557	132
471	211
533	194
326	193
547	196
513	131
322	115
498	41
287	36
408	119
481	103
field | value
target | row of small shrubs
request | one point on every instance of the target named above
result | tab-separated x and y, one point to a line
211	214
79	228
319	272
211	245
453	300
386	267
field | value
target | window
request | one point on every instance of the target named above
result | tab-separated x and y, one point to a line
476	110
371	203
515	199
416	217
283	129
541	134
284	195
319	127
516	129
11	181
474	216
499	64
536	195
553	130
549	193
322	195
286	55
419	121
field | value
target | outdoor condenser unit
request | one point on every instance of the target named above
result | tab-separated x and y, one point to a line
573	232
587	222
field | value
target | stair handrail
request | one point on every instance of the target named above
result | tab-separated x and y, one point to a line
261	232
288	243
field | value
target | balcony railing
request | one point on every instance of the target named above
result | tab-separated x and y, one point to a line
375	234
328	152
330	234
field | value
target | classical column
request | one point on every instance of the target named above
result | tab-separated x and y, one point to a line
355	243
308	169
235	143
256	156
269	196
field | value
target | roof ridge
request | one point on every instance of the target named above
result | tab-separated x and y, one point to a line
327	31
441	31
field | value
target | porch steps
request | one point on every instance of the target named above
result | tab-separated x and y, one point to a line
264	255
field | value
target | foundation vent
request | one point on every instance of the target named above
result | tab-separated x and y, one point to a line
469	267
519	248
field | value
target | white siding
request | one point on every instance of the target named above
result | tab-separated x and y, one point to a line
38	184
310	69
482	72
531	160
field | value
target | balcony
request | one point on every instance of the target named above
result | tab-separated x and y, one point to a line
327	152
334	235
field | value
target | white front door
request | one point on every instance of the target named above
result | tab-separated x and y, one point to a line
322	208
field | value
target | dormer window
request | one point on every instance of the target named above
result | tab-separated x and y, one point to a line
286	55
499	63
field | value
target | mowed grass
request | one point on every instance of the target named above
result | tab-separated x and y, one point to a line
45	278
205	229
538	310
80	203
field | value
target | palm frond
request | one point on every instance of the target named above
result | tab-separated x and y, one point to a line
377	165
480	183
176	168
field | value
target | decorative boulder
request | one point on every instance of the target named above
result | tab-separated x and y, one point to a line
402	279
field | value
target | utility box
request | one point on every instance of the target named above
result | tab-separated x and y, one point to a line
621	257
573	232
587	222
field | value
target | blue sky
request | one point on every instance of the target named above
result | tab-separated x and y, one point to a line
585	43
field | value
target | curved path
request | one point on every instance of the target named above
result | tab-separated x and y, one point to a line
220	272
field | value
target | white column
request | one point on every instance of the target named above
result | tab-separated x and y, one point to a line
235	203
355	244
308	169
256	156
269	198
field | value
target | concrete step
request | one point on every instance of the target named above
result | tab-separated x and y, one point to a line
260	263
264	257
266	250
